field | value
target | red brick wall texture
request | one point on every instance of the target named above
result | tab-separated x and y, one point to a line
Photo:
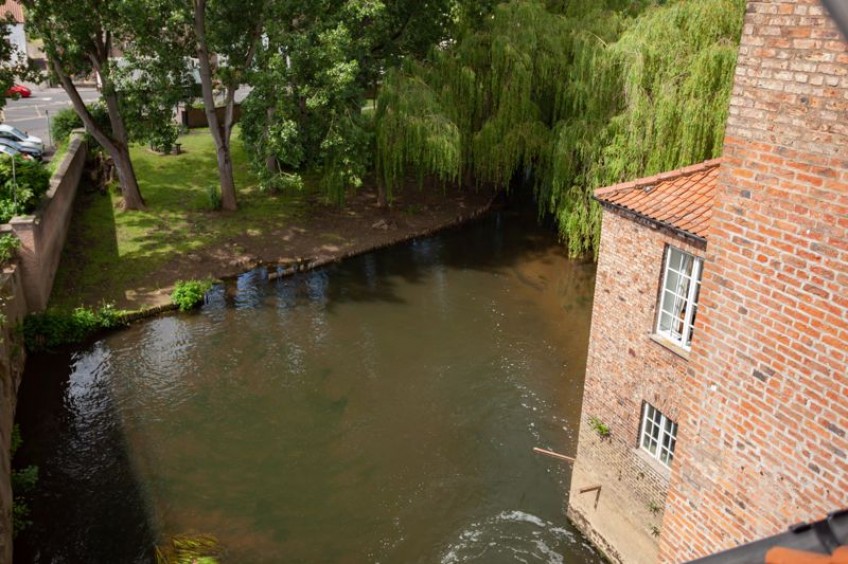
763	437
626	368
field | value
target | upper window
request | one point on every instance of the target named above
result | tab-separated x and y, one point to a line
679	299
659	434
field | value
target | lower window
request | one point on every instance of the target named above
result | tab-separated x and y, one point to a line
659	434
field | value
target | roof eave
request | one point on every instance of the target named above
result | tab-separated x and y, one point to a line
652	222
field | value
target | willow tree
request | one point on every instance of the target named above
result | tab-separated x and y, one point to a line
675	67
315	71
572	96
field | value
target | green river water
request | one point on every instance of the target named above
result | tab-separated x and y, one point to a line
380	410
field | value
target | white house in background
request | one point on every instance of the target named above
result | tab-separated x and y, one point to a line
15	30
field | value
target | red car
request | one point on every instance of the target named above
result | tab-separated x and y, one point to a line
18	90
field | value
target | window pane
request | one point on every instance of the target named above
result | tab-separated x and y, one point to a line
677	307
659	435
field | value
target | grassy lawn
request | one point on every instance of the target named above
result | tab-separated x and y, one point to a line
108	250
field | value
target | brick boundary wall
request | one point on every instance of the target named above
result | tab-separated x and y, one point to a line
43	234
25	287
763	444
12	358
625	368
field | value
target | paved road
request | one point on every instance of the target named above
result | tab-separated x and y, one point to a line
31	114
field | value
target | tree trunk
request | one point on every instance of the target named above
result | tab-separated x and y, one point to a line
221	138
117	148
126	175
382	199
271	163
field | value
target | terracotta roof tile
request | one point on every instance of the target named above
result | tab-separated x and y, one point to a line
11	7
682	198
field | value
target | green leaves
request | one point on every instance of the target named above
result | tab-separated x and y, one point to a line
53	328
190	294
575	97
22	183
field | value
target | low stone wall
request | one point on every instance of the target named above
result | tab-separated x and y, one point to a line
193	118
12	356
25	287
43	234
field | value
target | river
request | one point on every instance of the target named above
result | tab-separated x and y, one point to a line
380	410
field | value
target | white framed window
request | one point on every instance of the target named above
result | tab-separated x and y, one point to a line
679	297
659	434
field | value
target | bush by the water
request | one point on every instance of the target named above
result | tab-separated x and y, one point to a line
66	120
22	183
9	245
23	481
189	294
52	329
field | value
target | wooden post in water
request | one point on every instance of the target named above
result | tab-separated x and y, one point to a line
553	454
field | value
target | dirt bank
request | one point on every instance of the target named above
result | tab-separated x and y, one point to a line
325	233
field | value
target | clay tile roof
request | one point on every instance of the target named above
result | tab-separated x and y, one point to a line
681	199
11	7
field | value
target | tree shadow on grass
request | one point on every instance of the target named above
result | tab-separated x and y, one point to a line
91	269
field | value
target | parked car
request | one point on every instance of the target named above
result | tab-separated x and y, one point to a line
11	132
21	148
12	152
18	90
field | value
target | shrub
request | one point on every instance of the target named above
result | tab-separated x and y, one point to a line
66	120
601	428
52	329
23	482
214	194
9	245
190	294
22	184
164	137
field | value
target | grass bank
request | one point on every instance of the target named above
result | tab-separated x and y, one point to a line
109	249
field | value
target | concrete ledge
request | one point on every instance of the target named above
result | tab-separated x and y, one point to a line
610	524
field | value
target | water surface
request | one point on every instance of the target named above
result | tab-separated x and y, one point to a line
380	410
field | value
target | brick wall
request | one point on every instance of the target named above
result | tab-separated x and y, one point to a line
764	438
43	234
12	358
625	367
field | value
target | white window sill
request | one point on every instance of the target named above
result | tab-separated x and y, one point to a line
663	471
682	352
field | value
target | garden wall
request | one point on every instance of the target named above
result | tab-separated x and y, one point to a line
194	118
25	287
43	234
13	306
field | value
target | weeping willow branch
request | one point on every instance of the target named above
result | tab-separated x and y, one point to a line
575	97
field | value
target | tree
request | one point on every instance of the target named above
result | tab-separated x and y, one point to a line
79	40
230	30
319	63
12	65
572	95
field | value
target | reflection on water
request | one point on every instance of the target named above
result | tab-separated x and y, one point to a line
381	410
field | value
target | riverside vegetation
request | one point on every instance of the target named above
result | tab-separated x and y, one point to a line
569	96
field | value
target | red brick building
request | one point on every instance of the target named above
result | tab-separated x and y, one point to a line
726	400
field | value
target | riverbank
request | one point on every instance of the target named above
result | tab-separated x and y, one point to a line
322	233
133	259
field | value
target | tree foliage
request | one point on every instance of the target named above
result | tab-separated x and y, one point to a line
569	95
13	65
79	42
315	72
